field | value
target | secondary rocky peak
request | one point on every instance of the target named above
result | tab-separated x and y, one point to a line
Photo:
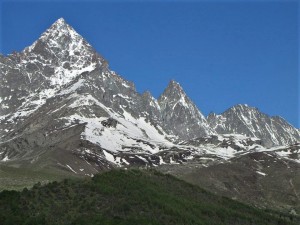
174	86
174	83
180	115
250	121
172	94
243	107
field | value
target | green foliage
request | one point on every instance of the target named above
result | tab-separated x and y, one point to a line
127	197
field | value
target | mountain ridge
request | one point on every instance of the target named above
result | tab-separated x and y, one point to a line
61	64
248	120
64	110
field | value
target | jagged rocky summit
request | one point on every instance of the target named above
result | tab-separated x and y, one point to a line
62	107
249	121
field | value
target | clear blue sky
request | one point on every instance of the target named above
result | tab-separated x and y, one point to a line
221	52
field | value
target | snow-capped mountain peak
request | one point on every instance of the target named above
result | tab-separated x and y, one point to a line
58	56
59	34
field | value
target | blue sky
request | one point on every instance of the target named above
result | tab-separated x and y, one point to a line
221	52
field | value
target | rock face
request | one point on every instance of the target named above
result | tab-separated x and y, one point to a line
249	121
54	60
180	115
62	106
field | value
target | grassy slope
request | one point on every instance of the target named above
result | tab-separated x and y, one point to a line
126	197
18	178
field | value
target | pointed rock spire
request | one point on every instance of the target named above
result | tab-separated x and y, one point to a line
180	115
60	27
174	92
65	52
58	35
174	86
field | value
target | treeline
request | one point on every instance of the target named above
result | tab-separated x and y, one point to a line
121	197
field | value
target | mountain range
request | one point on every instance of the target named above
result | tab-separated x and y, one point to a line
63	109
